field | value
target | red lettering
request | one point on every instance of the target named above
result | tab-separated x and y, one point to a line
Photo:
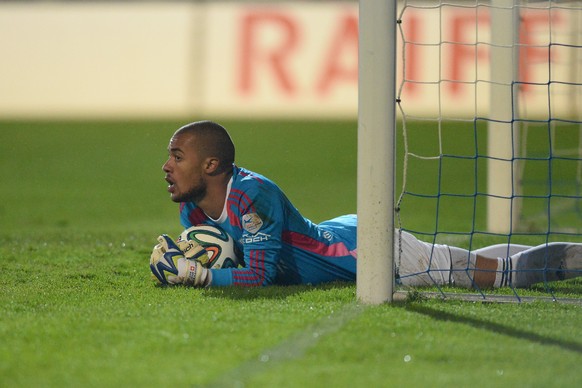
412	55
530	55
463	53
255	57
345	40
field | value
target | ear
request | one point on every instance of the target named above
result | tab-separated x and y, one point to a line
211	165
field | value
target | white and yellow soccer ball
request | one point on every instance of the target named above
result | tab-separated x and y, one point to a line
219	246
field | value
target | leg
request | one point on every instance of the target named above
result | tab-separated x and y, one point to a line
485	272
419	263
471	270
491	266
425	264
549	262
500	250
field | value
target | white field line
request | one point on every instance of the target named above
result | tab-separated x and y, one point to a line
290	349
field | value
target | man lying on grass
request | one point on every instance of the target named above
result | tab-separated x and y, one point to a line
282	247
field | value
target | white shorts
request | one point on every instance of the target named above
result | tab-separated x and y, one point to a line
420	263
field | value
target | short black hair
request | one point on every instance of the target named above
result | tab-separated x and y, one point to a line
212	140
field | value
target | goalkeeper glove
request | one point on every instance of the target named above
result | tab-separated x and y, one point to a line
193	251
169	265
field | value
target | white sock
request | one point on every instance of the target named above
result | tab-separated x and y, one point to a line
505	267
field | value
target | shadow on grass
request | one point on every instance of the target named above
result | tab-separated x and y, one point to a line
416	304
494	327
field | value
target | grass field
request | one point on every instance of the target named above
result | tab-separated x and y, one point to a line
80	207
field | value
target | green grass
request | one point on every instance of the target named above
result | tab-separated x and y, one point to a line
80	207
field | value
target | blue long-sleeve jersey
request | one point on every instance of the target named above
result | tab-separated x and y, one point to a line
280	246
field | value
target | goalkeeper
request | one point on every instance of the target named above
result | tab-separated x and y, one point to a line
282	247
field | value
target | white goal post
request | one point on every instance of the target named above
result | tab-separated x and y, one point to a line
376	144
503	128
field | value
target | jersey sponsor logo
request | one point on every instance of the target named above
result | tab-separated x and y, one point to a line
251	222
259	237
327	236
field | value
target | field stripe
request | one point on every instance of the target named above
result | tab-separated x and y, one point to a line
291	349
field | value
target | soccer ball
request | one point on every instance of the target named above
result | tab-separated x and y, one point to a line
222	252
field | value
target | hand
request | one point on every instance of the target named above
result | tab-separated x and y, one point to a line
169	265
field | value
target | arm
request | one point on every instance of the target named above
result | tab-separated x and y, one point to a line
261	257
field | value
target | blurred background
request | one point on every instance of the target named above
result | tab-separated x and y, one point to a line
109	59
262	59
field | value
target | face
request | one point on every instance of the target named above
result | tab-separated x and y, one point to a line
184	170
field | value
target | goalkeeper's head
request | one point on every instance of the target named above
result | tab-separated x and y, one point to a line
211	140
201	155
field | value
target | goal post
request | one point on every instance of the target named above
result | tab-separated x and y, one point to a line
376	145
503	128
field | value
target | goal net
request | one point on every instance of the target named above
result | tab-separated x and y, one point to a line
490	105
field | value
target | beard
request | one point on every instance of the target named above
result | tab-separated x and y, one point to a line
195	194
